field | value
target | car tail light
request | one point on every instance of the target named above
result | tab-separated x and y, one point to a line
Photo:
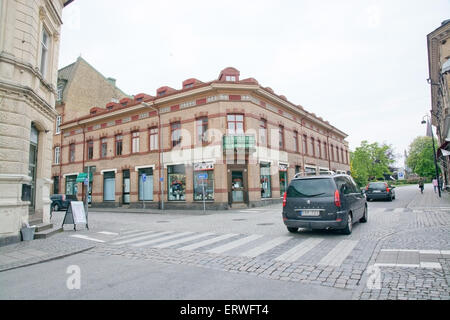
284	199
337	199
367	187
387	188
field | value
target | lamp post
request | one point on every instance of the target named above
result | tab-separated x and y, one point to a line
161	158
434	154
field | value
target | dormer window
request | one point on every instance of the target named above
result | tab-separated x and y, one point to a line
124	104
161	93
109	108
189	85
139	99
230	78
93	112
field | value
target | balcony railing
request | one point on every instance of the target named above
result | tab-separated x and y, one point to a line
232	142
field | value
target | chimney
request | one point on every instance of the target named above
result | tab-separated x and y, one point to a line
112	81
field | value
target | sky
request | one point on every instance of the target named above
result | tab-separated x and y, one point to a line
361	65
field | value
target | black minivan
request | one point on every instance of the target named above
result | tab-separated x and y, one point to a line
324	202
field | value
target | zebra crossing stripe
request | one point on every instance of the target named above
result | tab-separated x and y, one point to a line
265	247
80	236
207	242
108	233
339	253
149	235
234	244
299	250
172	236
178	241
136	234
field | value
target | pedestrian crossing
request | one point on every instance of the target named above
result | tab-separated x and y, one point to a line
285	249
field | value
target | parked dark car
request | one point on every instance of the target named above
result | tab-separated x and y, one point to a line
61	201
380	190
324	202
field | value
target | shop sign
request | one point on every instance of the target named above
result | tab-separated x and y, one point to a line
283	167
201	166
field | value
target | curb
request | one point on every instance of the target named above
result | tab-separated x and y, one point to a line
48	259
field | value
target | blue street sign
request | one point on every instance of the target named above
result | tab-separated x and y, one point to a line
203	176
144	177
161	179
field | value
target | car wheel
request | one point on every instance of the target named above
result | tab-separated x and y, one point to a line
56	207
293	230
365	216
348	228
390	198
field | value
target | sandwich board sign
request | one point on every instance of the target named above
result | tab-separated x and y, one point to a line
75	214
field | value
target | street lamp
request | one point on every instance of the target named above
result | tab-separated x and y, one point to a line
434	154
161	158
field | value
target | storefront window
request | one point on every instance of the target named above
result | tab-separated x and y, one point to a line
176	178
146	187
71	185
310	171
265	180
109	186
283	178
203	185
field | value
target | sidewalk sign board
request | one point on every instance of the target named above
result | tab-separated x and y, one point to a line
75	214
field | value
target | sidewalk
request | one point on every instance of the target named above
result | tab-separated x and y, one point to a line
429	199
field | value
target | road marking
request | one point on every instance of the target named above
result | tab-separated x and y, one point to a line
86	238
265	247
399	209
108	233
445	252
425	265
299	250
141	233
134	239
429	251
178	241
398	250
234	244
207	242
431	265
340	252
172	236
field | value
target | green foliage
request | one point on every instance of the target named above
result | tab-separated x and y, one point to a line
370	161
421	157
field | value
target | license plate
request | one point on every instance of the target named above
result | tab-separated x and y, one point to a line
376	191
309	213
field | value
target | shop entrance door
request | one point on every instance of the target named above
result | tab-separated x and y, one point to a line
237	186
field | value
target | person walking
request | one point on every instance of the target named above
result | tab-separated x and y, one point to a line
421	185
435	184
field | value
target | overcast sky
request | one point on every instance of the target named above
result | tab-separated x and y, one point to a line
361	65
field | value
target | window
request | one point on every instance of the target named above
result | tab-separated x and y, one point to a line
72	152
109	186
337	154
71	185
295	141
175	129
265	180
319	149
189	85
45	44
263	132
146	187
90	150
161	93
281	137
206	185
135	142
104	148
235	123
119	145
312	146
346	156
60	92
305	145
325	150
283	180
202	127
176	179
342	156
230	78
55	185
57	154
153	139
332	152
58	125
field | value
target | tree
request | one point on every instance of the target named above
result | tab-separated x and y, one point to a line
421	157
371	161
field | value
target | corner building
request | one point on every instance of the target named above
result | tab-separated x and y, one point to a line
230	141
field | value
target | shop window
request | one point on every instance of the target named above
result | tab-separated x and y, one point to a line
176	179
71	185
283	178
146	187
109	186
265	180
201	184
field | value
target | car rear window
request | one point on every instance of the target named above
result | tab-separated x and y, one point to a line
377	185
307	188
71	197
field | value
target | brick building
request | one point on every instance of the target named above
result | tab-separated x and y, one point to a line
439	78
29	47
79	87
233	140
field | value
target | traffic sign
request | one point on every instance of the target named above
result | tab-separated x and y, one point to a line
144	177
203	176
81	176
